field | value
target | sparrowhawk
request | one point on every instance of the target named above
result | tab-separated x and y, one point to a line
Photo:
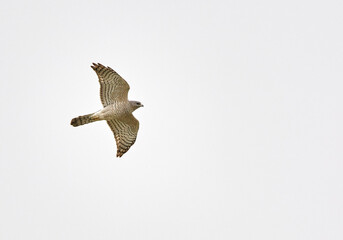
117	109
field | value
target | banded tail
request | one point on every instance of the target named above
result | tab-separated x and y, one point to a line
81	120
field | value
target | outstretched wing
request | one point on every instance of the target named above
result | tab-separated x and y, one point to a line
125	132
113	88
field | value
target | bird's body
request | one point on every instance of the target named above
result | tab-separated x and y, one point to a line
117	109
113	111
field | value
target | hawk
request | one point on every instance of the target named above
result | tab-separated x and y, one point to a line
117	109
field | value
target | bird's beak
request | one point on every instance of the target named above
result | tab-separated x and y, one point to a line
142	105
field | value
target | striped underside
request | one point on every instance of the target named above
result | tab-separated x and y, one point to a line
114	90
124	134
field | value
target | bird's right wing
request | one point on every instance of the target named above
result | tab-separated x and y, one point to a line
112	86
125	132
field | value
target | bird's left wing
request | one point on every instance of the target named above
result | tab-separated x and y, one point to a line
125	132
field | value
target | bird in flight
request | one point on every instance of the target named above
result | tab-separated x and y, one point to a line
117	109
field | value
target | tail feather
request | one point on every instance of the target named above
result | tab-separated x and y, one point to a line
81	120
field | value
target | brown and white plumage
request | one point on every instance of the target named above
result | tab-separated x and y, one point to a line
117	109
113	88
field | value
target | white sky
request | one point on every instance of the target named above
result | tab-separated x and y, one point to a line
240	137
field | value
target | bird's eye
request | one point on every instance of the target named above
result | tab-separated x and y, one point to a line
138	103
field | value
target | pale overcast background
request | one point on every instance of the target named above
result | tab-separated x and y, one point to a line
240	136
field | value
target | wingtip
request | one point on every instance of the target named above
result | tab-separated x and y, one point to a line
121	152
94	66
97	65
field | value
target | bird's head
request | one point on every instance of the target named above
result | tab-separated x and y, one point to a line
135	105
